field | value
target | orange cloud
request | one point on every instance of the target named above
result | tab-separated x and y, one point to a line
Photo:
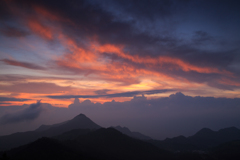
112	49
228	82
89	56
40	29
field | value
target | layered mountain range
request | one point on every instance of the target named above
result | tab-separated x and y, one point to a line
81	138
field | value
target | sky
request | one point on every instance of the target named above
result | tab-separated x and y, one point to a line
164	68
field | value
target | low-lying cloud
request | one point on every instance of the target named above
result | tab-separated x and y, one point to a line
159	118
28	114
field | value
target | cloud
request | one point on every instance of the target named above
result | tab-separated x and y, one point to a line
124	41
13	32
175	115
23	64
12	99
102	92
21	78
202	37
123	94
28	114
35	87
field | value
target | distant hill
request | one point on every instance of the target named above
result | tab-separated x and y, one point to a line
202	140
136	135
21	138
102	144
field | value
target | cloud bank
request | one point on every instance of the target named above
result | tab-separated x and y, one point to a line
159	118
28	114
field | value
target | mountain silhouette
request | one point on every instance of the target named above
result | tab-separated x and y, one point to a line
136	135
21	138
109	141
229	150
202	140
43	148
104	143
79	122
206	138
81	138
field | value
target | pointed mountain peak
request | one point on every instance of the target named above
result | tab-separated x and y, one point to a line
82	121
81	115
204	132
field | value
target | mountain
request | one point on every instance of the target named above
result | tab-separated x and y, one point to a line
202	140
109	141
43	148
21	138
104	143
46	127
207	138
136	135
229	150
79	122
108	144
73	134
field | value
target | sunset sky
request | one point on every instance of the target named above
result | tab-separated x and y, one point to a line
110	51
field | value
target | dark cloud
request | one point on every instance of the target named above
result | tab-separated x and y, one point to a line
201	37
22	78
145	10
28	114
13	32
5	103
102	92
23	64
124	94
4	12
12	99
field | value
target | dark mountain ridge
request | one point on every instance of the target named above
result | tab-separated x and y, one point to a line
21	138
136	135
202	140
104	143
81	138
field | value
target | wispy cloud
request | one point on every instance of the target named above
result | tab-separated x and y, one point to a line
123	94
23	64
12	99
35	87
13	32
